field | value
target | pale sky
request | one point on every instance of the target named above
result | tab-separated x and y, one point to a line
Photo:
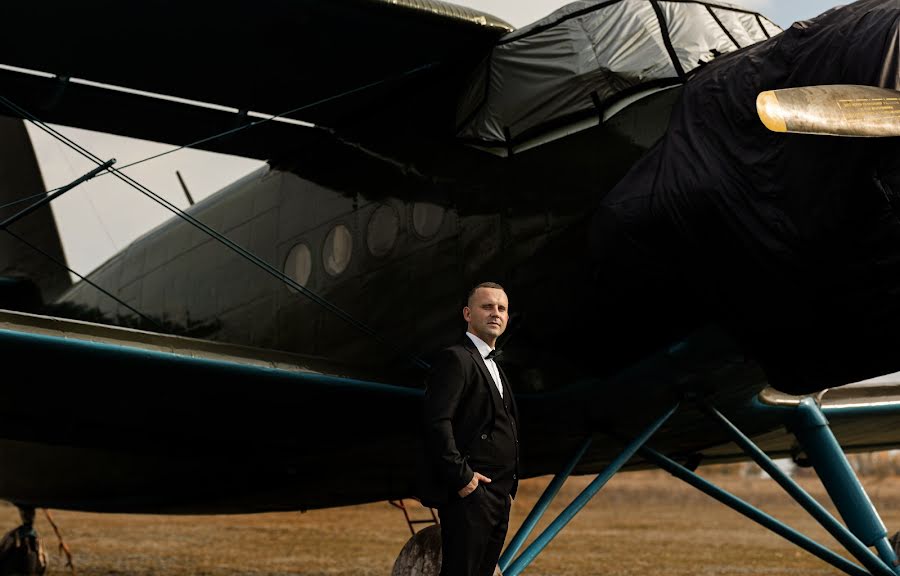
522	12
99	218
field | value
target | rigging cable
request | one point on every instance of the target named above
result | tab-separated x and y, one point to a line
194	144
48	197
284	114
32	197
262	264
63	264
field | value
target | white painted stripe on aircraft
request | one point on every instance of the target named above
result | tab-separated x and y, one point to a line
156	95
281	119
159	96
27	71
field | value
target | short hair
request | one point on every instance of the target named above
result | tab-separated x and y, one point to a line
493	285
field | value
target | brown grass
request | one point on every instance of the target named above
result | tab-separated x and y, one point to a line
641	522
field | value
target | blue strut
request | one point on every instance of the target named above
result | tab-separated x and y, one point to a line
751	512
535	548
811	428
538	511
847	539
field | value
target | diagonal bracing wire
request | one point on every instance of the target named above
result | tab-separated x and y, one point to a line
29	198
284	114
46	198
63	264
262	264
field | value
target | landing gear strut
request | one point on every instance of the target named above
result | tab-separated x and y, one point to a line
862	534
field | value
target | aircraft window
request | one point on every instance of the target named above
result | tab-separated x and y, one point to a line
427	219
337	250
298	264
383	227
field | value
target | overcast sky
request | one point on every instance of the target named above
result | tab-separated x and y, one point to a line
522	12
99	218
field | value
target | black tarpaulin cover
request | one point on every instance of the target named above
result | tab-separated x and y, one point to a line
590	53
792	240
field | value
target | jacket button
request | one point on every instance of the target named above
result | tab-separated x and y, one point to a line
484	436
515	477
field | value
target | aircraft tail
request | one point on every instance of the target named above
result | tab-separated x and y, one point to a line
27	277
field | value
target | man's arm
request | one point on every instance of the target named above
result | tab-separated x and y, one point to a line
443	393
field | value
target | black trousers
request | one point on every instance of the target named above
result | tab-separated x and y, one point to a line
472	532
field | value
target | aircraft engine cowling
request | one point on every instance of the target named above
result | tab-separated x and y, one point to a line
791	241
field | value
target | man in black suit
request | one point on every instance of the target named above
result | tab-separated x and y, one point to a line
472	451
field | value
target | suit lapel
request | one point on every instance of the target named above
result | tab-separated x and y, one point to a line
485	373
489	381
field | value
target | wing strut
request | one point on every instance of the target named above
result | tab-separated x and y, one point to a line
515	567
806	420
748	510
540	507
865	527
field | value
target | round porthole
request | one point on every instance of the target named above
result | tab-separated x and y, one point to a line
383	228
337	250
427	219
298	264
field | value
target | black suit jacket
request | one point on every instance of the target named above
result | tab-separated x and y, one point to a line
461	404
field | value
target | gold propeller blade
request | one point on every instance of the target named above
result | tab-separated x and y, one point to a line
838	110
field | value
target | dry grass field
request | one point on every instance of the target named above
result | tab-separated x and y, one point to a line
640	523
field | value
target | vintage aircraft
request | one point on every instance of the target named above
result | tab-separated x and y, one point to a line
685	282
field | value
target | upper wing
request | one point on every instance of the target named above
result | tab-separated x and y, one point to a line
347	63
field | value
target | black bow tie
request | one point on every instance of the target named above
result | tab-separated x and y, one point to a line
494	355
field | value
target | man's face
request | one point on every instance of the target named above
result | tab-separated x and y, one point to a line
487	314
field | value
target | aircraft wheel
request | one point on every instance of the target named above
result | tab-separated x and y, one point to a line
421	556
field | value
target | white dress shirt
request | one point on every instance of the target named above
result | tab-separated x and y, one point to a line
484	350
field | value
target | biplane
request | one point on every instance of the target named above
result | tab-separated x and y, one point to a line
687	285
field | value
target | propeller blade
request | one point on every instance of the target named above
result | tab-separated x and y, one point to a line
838	110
